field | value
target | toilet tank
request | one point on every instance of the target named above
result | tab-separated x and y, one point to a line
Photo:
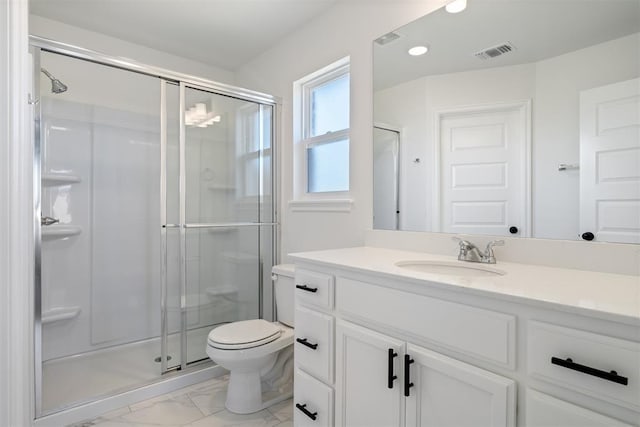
283	284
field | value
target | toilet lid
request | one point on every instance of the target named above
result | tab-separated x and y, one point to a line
243	334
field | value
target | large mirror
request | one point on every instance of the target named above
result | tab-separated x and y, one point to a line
521	118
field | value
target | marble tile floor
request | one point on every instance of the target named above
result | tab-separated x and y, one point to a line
199	405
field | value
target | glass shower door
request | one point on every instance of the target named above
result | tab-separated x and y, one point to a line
225	166
97	319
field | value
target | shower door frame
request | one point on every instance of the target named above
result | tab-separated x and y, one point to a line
165	77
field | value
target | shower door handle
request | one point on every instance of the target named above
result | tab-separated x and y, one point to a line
47	220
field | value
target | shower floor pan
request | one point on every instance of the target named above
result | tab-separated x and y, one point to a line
72	380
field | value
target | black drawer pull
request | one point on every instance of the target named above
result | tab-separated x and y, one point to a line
306	288
390	376
304	410
407	384
305	342
609	376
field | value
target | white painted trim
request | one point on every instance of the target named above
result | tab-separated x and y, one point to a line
326	205
525	109
16	219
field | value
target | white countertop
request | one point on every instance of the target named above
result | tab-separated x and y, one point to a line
605	295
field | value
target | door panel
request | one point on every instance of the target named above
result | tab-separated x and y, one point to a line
362	394
610	162
449	393
386	147
226	172
483	170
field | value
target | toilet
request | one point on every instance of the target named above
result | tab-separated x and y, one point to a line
257	353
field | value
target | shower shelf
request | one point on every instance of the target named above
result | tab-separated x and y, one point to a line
59	313
54	179
52	232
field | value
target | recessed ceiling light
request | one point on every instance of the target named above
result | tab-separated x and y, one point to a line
456	6
418	50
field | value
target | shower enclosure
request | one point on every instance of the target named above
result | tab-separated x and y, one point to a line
155	220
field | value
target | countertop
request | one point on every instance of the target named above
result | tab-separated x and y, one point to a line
614	297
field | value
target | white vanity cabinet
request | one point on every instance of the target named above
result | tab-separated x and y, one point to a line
399	349
383	381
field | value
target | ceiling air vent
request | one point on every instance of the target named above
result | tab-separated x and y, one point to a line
495	51
387	38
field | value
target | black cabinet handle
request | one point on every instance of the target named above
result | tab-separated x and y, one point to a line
306	288
305	411
407	384
513	230
609	376
305	342
390	376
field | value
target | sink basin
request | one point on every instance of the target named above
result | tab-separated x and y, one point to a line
459	269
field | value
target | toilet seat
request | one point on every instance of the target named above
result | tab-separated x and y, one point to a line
243	334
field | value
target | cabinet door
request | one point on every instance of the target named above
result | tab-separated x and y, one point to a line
545	411
450	393
363	396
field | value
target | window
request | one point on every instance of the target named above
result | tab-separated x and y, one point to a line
321	133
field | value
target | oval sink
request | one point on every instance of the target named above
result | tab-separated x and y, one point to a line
450	268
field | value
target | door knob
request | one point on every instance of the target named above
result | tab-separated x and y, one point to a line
588	236
513	230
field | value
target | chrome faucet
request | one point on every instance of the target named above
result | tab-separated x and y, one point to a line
470	252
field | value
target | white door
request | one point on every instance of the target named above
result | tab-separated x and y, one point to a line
386	150
545	411
484	170
610	162
449	393
363	396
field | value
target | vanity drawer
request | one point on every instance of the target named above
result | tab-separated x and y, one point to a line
313	402
593	357
314	343
546	411
483	334
314	288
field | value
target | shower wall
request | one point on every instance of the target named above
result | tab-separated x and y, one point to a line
100	263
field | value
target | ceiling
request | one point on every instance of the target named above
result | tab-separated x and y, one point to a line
538	29
222	33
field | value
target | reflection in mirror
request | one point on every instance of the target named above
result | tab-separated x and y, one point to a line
521	119
386	162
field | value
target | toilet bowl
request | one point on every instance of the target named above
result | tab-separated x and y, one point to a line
252	350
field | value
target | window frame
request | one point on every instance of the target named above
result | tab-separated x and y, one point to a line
303	199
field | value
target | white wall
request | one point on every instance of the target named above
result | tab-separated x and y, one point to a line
348	28
58	31
554	86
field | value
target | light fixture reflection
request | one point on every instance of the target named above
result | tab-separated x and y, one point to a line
199	117
456	6
418	50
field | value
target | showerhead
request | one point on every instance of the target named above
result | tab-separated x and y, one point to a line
56	85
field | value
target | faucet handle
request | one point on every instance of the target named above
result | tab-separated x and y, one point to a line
488	255
462	242
493	243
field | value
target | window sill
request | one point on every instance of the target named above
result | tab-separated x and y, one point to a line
326	205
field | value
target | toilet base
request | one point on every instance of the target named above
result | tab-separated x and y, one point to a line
244	394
